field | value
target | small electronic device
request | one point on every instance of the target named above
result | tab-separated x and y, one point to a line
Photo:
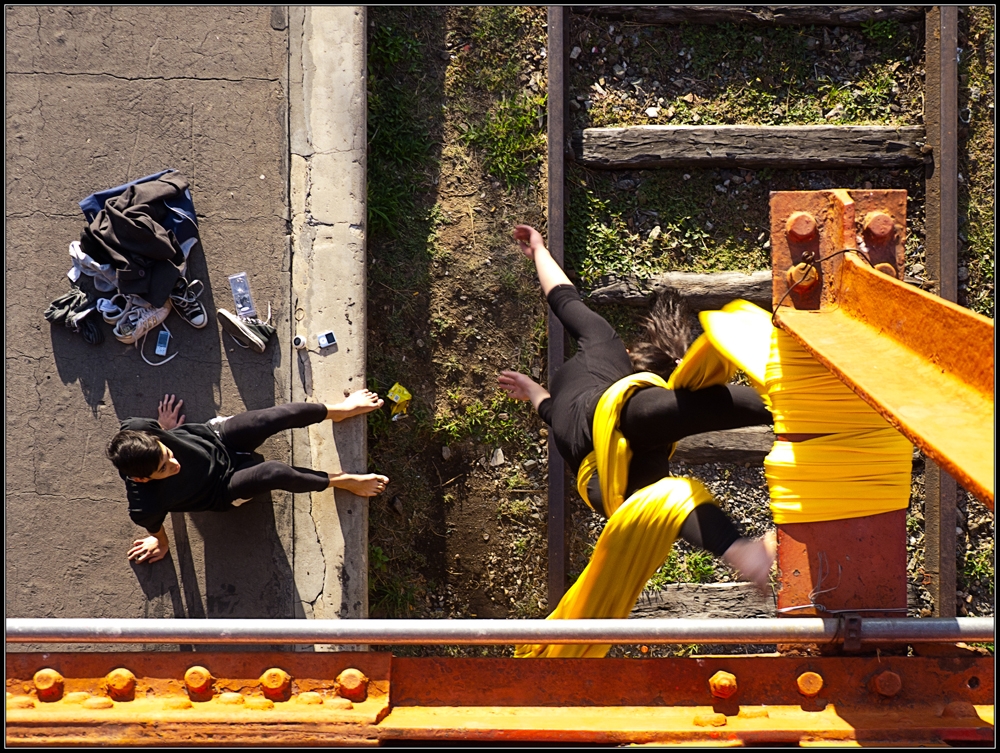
327	339
241	295
299	342
161	342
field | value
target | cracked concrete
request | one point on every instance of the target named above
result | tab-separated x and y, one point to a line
96	96
327	136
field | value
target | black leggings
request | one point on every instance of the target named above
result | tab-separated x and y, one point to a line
248	431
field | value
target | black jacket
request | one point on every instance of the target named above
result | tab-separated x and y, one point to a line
129	234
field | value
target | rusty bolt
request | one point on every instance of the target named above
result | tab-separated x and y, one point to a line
353	684
723	684
276	684
804	274
879	225
49	684
198	680
121	684
801	226
809	684
886	268
887	684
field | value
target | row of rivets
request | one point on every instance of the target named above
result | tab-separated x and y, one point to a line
723	684
275	683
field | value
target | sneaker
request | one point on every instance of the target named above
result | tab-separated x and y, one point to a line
185	302
112	308
139	318
249	332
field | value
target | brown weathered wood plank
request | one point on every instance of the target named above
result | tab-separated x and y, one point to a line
750	146
704	292
771	15
709	601
749	445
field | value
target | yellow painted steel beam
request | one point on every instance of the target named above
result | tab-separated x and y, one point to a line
925	364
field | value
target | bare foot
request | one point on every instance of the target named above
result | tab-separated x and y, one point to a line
753	559
362	401
522	387
364	485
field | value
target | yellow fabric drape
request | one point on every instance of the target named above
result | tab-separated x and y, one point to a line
862	468
635	542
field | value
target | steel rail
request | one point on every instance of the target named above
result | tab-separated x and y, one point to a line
795	630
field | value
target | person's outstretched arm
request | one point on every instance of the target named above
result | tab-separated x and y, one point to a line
550	274
150	549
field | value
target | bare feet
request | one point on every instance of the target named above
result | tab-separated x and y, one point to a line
362	401
522	387
753	559
364	485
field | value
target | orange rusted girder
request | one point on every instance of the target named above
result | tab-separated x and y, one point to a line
720	700
924	363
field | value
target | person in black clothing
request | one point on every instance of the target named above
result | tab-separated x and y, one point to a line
653	418
171	466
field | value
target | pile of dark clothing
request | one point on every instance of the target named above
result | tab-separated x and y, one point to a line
136	243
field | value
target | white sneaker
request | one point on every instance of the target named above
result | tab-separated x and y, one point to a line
139	319
112	308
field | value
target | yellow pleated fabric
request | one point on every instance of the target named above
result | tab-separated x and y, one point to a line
862	468
635	542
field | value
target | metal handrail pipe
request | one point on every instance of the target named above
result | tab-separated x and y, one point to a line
792	630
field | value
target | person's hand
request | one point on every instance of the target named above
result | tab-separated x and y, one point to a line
168	412
515	385
528	239
149	549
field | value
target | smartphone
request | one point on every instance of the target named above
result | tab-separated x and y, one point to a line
327	339
161	342
240	286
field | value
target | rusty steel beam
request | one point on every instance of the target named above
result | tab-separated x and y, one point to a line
941	244
351	699
922	362
558	91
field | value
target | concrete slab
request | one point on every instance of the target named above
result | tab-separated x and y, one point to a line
96	96
328	137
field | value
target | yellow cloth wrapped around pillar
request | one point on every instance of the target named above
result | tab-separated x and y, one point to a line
635	542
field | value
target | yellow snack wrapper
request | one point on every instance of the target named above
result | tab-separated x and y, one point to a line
401	397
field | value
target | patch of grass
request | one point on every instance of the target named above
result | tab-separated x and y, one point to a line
509	138
979	567
977	150
886	30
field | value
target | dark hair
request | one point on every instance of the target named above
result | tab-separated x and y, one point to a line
135	453
668	334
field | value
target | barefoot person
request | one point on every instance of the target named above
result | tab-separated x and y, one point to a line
653	508
171	466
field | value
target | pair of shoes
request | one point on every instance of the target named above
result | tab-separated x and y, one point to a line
184	299
250	332
138	319
753	559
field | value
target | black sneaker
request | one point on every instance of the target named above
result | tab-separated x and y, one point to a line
253	333
184	298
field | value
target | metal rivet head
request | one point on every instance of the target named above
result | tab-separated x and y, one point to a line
49	684
802	276
801	226
121	684
888	684
198	679
879	225
275	683
723	684
352	684
809	684
886	268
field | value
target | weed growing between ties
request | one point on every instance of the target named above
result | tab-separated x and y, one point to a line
456	146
